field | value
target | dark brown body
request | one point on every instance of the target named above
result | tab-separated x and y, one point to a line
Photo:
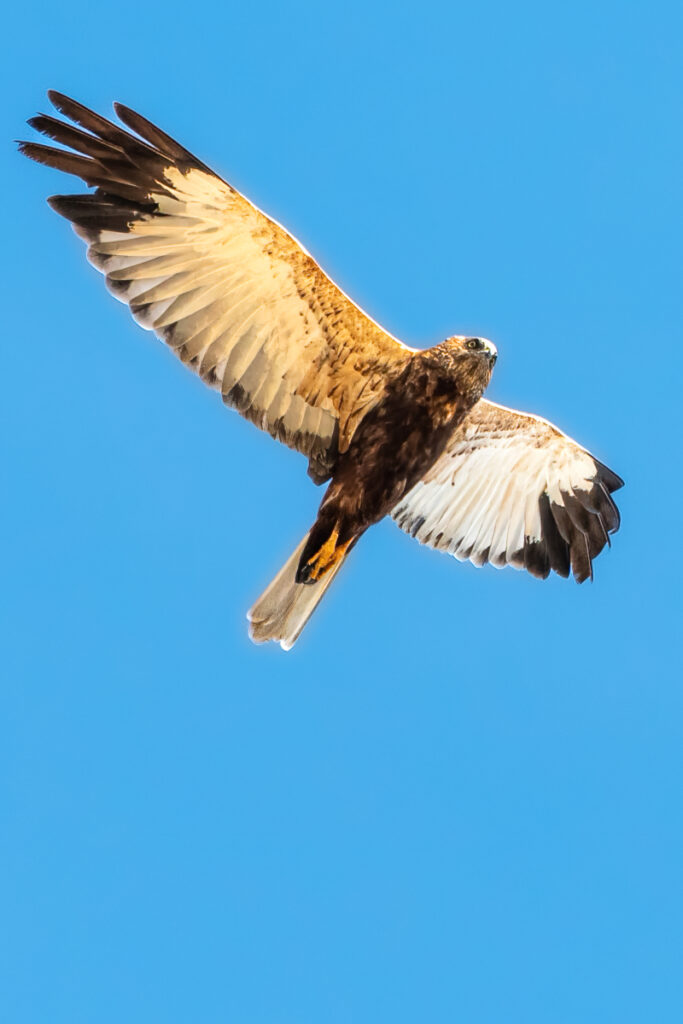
394	446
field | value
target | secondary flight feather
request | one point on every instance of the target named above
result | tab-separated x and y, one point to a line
395	430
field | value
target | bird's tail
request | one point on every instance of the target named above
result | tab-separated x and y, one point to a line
284	608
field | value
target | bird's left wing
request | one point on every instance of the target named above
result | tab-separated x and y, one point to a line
512	489
232	293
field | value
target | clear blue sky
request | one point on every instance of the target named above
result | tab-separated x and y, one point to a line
459	798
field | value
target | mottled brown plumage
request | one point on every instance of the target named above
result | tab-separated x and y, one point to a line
395	431
397	442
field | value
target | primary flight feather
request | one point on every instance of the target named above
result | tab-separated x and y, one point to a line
396	430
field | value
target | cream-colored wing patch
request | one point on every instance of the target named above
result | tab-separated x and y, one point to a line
512	489
230	291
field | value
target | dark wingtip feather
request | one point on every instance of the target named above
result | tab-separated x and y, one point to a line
61	160
58	204
582	566
608	509
611	480
97	212
104	130
536	559
56	98
79	113
74	138
558	549
157	138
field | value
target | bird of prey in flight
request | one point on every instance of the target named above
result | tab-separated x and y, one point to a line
395	430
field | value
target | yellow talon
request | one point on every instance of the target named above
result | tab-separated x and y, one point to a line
327	556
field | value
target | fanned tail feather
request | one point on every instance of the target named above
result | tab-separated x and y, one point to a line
284	608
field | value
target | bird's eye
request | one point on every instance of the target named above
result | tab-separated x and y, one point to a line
474	344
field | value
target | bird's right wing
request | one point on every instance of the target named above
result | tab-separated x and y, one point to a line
512	489
227	288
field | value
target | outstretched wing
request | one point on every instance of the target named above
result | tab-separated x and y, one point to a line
228	289
512	489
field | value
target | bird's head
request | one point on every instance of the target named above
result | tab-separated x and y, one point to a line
472	360
462	362
479	348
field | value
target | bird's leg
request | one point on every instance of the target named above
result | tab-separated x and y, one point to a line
328	556
317	563
322	560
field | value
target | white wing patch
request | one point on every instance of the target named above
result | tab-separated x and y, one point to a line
511	489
